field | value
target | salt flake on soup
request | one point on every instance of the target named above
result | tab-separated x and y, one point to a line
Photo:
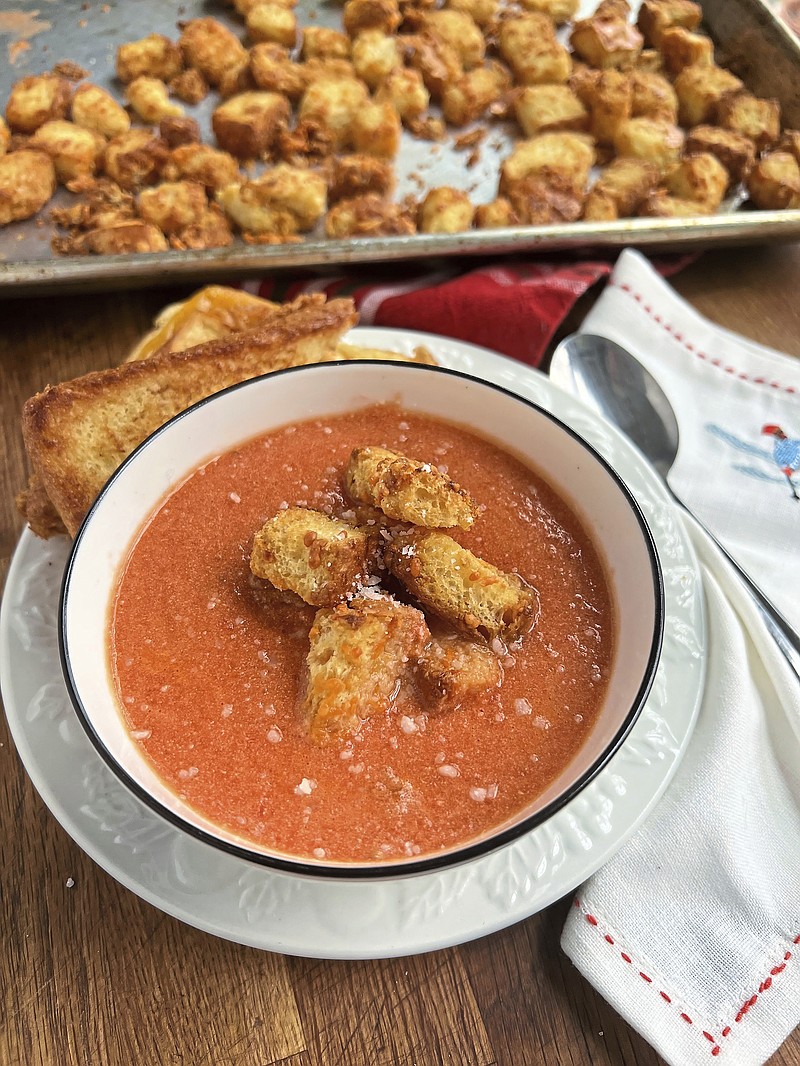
465	594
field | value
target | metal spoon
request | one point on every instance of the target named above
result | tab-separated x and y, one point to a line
616	385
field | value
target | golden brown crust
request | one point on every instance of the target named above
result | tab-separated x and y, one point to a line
155	56
367	216
37	99
247	124
356	175
735	152
78	432
37	509
27	181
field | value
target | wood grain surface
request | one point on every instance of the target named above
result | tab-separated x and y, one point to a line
91	975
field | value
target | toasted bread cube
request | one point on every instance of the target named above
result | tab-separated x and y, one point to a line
438	63
541	200
445	210
273	22
653	97
74	151
461	32
528	44
326	69
757	119
189	86
149	98
452	669
496	215
467	99
468	592
774	182
605	43
247	125
626	182
211	49
172	206
789	142
284	201
699	177
238	78
700	89
583	82
208	229
272	69
655	140
124	238
599	206
202	163
376	130
27	181
649	61
175	132
360	15
355	175
155	56
482	11
95	109
656	16
569	156
358	657
735	152
543	108
681	48
322	43
408	490
405	90
135	158
375	56
661	205
320	559
367	216
559	11
5	137
613	9
333	105
244	7
611	103
37	99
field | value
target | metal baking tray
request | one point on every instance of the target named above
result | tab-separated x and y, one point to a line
748	36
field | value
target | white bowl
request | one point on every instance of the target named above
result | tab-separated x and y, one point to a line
213	426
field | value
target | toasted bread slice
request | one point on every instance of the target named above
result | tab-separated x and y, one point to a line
317	557
473	595
359	654
451	669
77	433
37	509
408	490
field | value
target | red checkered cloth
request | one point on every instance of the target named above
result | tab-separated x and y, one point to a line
512	307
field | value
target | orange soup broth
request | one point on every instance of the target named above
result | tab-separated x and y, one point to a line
209	665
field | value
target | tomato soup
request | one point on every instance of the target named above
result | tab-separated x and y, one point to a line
209	664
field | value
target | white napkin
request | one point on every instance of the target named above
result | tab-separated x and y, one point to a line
692	932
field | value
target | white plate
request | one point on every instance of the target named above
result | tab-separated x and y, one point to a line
278	912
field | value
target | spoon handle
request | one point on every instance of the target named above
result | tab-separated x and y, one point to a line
782	632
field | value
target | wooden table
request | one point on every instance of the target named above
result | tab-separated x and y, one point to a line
92	975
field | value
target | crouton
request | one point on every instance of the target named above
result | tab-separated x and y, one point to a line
661	205
283	196
544	108
528	44
208	229
27	181
626	183
496	215
699	177
155	56
611	104
681	48
333	104
211	49
37	99
320	559
238	78
544	200
735	152
653	97
375	56
360	15
272	22
5	137
189	86
606	42
566	156
74	151
100	202
355	175
322	43
78	432
559	11
599	206
437	62
149	98
120	238
172	205
790	142
177	131
466	591
358	657
656	16
95	109
759	120
272	69
773	183
200	162
247	125
368	216
700	89
483	12
451	669
445	210
460	31
656	140
135	158
376	129
405	90
408	490
649	61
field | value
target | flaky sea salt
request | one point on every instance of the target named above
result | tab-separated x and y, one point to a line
141	734
186	774
477	794
541	722
227	710
408	725
70	882
318	853
447	770
491	792
274	736
305	788
522	706
235	497
346	753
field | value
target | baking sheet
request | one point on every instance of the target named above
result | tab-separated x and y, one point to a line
34	37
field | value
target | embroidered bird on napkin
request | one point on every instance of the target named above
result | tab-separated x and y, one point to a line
786	453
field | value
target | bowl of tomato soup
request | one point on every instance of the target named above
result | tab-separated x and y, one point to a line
189	673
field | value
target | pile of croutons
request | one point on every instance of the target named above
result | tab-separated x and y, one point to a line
365	644
671	131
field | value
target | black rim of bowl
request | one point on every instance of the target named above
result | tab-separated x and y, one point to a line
438	860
